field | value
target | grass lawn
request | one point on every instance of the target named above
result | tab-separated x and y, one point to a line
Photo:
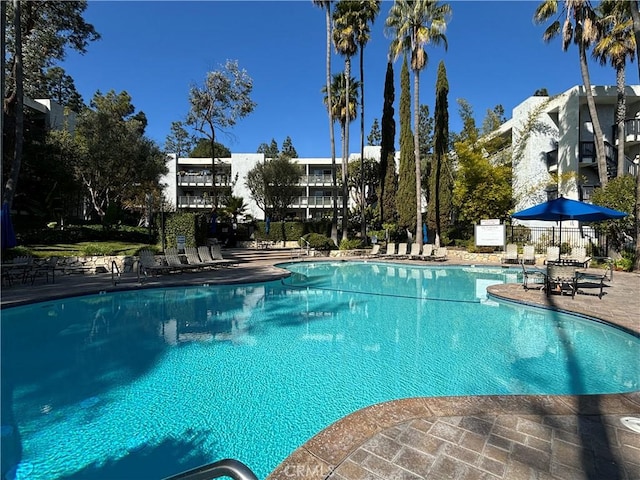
82	249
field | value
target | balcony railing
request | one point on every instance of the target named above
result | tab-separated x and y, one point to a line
202	180
324	180
314	202
632	130
196	202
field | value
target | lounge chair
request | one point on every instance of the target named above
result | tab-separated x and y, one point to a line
510	254
590	279
427	252
375	251
173	260
44	269
193	258
440	254
149	266
402	250
216	254
553	254
533	276
415	251
391	249
529	255
579	255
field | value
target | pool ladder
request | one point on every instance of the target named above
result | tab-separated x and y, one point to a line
222	468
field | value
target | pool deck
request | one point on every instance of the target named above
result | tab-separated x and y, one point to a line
489	437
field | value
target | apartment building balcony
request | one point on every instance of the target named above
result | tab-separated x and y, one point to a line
314	202
316	180
194	180
632	131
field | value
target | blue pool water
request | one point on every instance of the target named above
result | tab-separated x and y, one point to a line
146	384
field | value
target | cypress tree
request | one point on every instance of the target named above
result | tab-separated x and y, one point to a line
440	204
388	177
406	197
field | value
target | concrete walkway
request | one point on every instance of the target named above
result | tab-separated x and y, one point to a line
490	437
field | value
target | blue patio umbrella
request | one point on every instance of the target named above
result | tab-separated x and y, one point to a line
562	208
267	226
425	237
8	234
212	223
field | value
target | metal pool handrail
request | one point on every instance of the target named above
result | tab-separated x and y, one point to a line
222	468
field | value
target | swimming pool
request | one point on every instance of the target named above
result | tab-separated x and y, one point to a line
149	383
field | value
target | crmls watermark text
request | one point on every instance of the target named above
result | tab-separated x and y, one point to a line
306	471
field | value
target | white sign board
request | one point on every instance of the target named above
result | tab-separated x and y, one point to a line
181	241
490	235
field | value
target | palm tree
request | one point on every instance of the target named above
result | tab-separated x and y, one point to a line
413	25
365	13
579	26
326	6
615	44
344	39
343	110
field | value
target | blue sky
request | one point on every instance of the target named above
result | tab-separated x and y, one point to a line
155	50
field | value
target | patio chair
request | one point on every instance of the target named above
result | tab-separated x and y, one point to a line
427	252
561	279
44	269
533	276
173	260
206	257
402	250
374	252
529	255
391	249
553	254
579	255
440	254
149	266
193	258
216	254
510	254
415	251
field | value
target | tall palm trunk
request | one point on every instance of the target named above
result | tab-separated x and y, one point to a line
416	150
334	177
598	137
621	112
363	223
345	151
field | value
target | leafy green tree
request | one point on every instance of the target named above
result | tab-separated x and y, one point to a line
389	178
274	185
38	35
110	154
493	120
326	6
439	208
616	43
288	149
482	185
179	141
59	87
413	25
344	111
202	149
375	135
369	177
406	196
579	27
223	99
425	125
271	150
618	194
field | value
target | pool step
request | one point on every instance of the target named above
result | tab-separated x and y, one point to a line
272	255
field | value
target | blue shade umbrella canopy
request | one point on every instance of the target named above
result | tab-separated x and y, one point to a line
562	208
8	235
267	226
425	237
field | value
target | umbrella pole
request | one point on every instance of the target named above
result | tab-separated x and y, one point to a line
560	241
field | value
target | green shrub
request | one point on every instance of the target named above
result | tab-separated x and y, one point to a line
97	249
318	241
351	244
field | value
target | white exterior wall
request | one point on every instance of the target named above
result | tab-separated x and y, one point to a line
169	182
241	164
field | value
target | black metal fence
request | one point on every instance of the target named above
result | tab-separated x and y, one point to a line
596	242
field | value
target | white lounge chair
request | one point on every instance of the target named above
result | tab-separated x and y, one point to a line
415	251
391	249
529	255
440	254
427	252
510	253
402	250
